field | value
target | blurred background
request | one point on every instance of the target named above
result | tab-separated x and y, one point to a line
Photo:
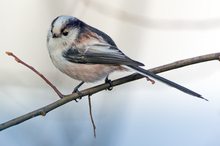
154	32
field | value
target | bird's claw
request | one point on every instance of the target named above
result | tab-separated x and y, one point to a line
107	81
78	92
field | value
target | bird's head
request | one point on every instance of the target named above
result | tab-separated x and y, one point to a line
64	28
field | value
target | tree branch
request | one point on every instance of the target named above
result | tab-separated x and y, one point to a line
91	117
37	72
44	110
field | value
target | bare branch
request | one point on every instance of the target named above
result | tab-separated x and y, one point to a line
91	117
37	72
67	98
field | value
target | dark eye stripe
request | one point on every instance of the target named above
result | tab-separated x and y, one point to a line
62	30
52	24
72	23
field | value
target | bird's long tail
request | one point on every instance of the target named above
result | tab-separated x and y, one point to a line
166	81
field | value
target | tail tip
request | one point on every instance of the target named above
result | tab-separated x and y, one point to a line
203	98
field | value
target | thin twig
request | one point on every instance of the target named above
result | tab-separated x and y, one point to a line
44	110
37	72
91	117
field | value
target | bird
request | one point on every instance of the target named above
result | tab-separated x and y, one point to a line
88	54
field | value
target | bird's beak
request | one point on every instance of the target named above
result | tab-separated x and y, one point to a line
54	35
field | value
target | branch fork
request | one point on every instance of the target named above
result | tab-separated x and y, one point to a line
90	91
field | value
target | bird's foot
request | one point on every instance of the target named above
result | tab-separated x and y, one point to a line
76	90
107	81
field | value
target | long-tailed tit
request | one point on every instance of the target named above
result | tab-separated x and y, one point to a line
87	54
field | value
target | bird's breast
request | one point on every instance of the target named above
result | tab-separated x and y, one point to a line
82	72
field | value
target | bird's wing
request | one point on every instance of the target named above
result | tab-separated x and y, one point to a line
99	53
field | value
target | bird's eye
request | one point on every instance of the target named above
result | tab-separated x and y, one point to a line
65	33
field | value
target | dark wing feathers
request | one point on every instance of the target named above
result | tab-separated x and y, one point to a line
98	52
95	56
